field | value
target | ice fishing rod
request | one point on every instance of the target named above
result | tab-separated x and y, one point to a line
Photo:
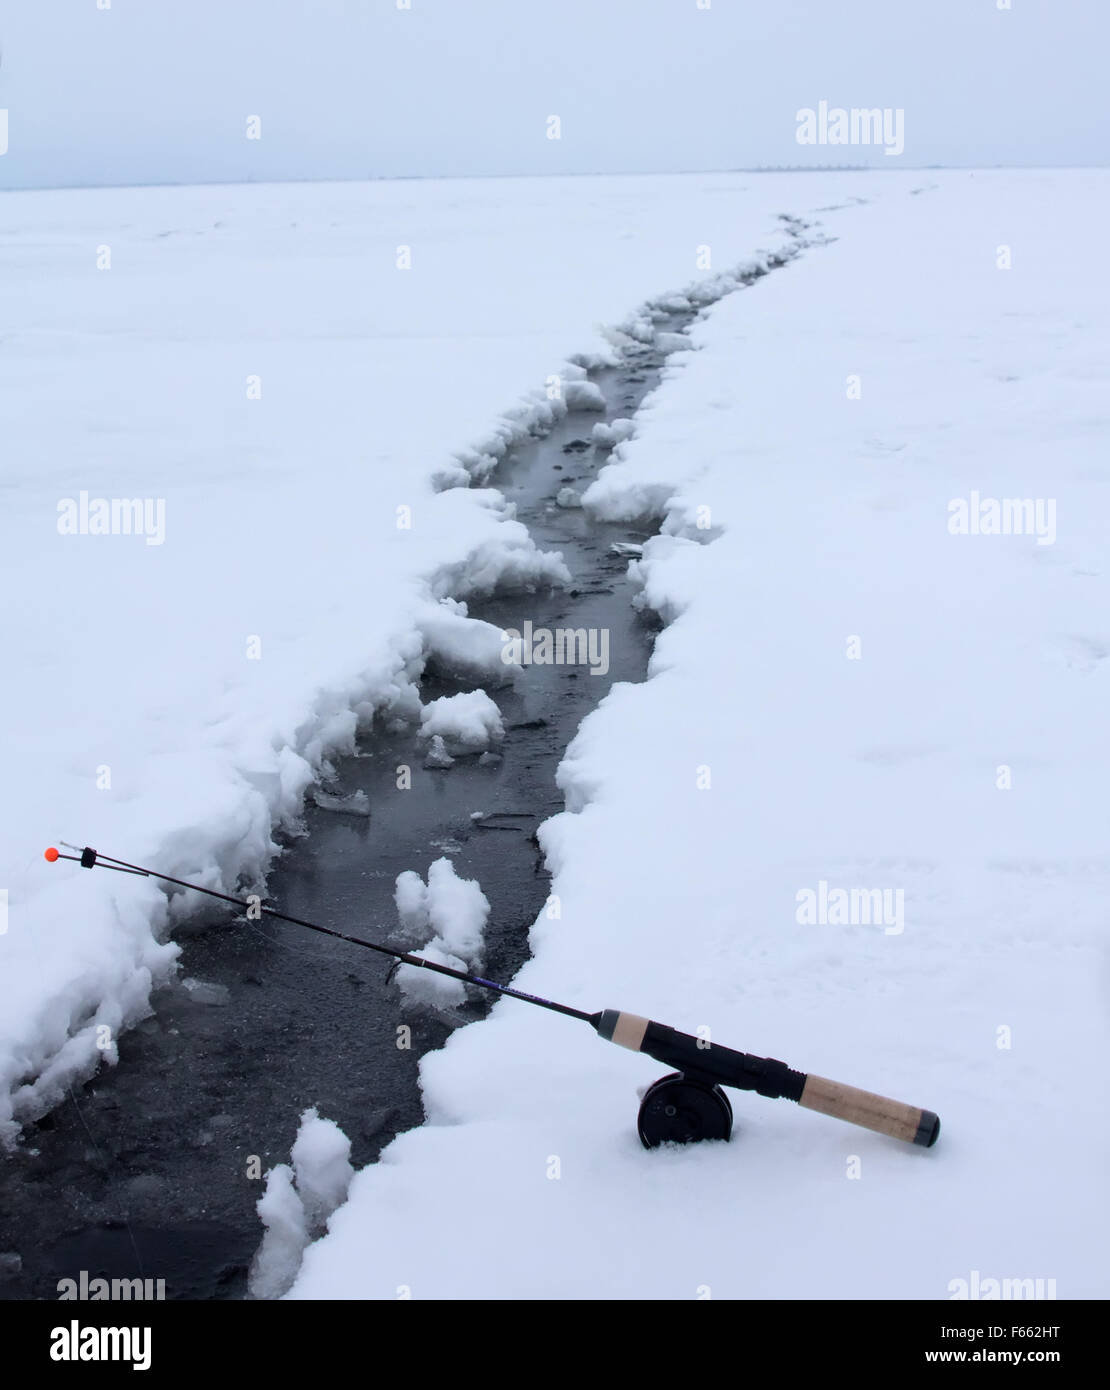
686	1106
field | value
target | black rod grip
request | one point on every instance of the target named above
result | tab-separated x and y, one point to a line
698	1057
716	1065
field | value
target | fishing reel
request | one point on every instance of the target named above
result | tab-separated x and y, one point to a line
681	1109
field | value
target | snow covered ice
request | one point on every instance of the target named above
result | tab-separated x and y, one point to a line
876	461
853	696
304	600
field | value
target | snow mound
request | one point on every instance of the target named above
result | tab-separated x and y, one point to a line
568	497
458	910
321	1157
297	1203
455	910
617	494
584	395
410	895
674	304
427	987
278	1258
461	646
613	433
506	563
467	723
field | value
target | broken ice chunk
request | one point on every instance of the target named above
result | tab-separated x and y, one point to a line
205	992
437	754
358	804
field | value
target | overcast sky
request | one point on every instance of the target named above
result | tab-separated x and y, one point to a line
159	91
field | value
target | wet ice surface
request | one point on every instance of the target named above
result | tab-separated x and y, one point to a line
145	1171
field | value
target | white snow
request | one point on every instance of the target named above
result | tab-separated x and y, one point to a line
429	987
463	646
583	395
672	342
278	1258
410	893
468	722
455	911
321	1157
846	693
287	404
568	497
616	432
297	1202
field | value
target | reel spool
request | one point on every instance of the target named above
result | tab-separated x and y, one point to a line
677	1109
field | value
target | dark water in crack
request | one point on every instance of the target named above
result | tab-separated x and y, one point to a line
144	1171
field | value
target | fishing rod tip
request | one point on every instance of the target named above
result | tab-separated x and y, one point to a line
50	855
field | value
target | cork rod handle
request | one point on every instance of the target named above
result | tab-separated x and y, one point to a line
906	1122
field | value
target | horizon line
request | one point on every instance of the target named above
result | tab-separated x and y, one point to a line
568	174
